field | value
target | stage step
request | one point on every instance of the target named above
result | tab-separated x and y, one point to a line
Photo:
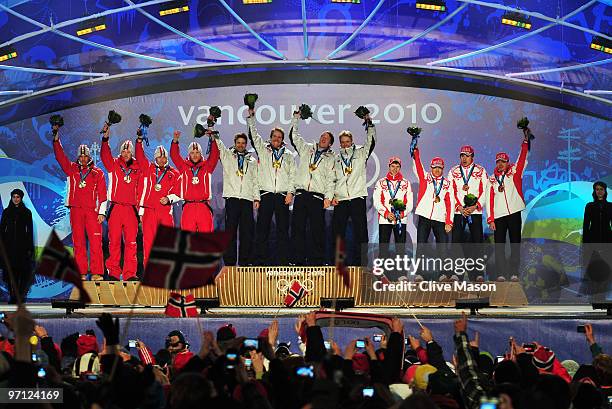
267	287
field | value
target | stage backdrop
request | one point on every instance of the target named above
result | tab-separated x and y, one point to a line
571	150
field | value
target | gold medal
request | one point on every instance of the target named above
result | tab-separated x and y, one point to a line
195	180
437	199
276	164
348	170
313	167
157	187
127	179
82	184
239	173
466	187
500	188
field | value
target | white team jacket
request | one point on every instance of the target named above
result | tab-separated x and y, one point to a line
382	197
353	185
271	179
478	184
235	185
441	211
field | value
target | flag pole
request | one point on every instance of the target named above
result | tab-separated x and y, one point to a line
11	274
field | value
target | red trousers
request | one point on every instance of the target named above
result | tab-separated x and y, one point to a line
122	221
153	217
85	226
197	217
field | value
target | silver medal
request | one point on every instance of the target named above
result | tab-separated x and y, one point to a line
82	184
157	187
195	180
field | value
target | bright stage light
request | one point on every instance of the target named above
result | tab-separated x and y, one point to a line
346	1
7	53
174	7
256	1
517	20
601	44
90	26
433	5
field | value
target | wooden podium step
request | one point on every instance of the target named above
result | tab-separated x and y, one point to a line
267	287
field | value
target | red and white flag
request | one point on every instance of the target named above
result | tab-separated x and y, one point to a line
56	262
180	260
340	260
180	306
296	293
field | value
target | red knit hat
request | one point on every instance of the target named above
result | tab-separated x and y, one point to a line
86	343
502	156
226	332
467	150
543	358
437	162
361	363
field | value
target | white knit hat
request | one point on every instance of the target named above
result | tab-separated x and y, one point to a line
195	147
86	363
127	144
83	150
160	152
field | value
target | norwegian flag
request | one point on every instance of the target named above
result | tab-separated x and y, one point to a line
340	266
56	262
296	293
180	260
180	306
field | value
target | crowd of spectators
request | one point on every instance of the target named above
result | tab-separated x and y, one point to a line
231	371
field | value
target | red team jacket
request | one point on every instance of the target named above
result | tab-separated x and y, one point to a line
169	183
93	194
187	190
119	191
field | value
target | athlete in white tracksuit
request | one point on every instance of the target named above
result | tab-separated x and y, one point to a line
351	191
314	183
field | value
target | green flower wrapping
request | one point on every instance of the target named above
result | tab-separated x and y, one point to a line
398	205
469	200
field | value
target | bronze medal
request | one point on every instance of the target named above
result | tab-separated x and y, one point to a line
466	187
437	199
157	187
500	188
312	167
348	170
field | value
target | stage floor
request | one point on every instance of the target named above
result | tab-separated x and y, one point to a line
44	310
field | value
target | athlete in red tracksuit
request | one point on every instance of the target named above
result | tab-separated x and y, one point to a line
124	188
195	184
159	181
86	199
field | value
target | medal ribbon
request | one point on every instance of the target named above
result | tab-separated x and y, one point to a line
159	178
126	171
240	161
278	154
347	164
466	181
195	170
437	189
500	181
87	174
392	192
317	156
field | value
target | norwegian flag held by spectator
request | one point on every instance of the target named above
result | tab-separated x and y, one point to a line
182	260
57	263
340	259
180	306
296	293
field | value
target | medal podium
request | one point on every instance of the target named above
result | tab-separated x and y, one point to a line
267	287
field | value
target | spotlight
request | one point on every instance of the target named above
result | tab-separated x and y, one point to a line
173	7
600	44
433	5
68	305
90	26
7	53
606	305
346	1
256	1
207	303
515	19
474	304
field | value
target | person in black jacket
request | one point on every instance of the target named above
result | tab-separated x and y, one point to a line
597	226
17	233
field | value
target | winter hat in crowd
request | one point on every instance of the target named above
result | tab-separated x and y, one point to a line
160	152
543	359
570	366
83	150
87	343
194	147
179	334
502	156
421	376
361	365
264	333
88	363
486	362
127	144
226	332
409	374
17	192
400	391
